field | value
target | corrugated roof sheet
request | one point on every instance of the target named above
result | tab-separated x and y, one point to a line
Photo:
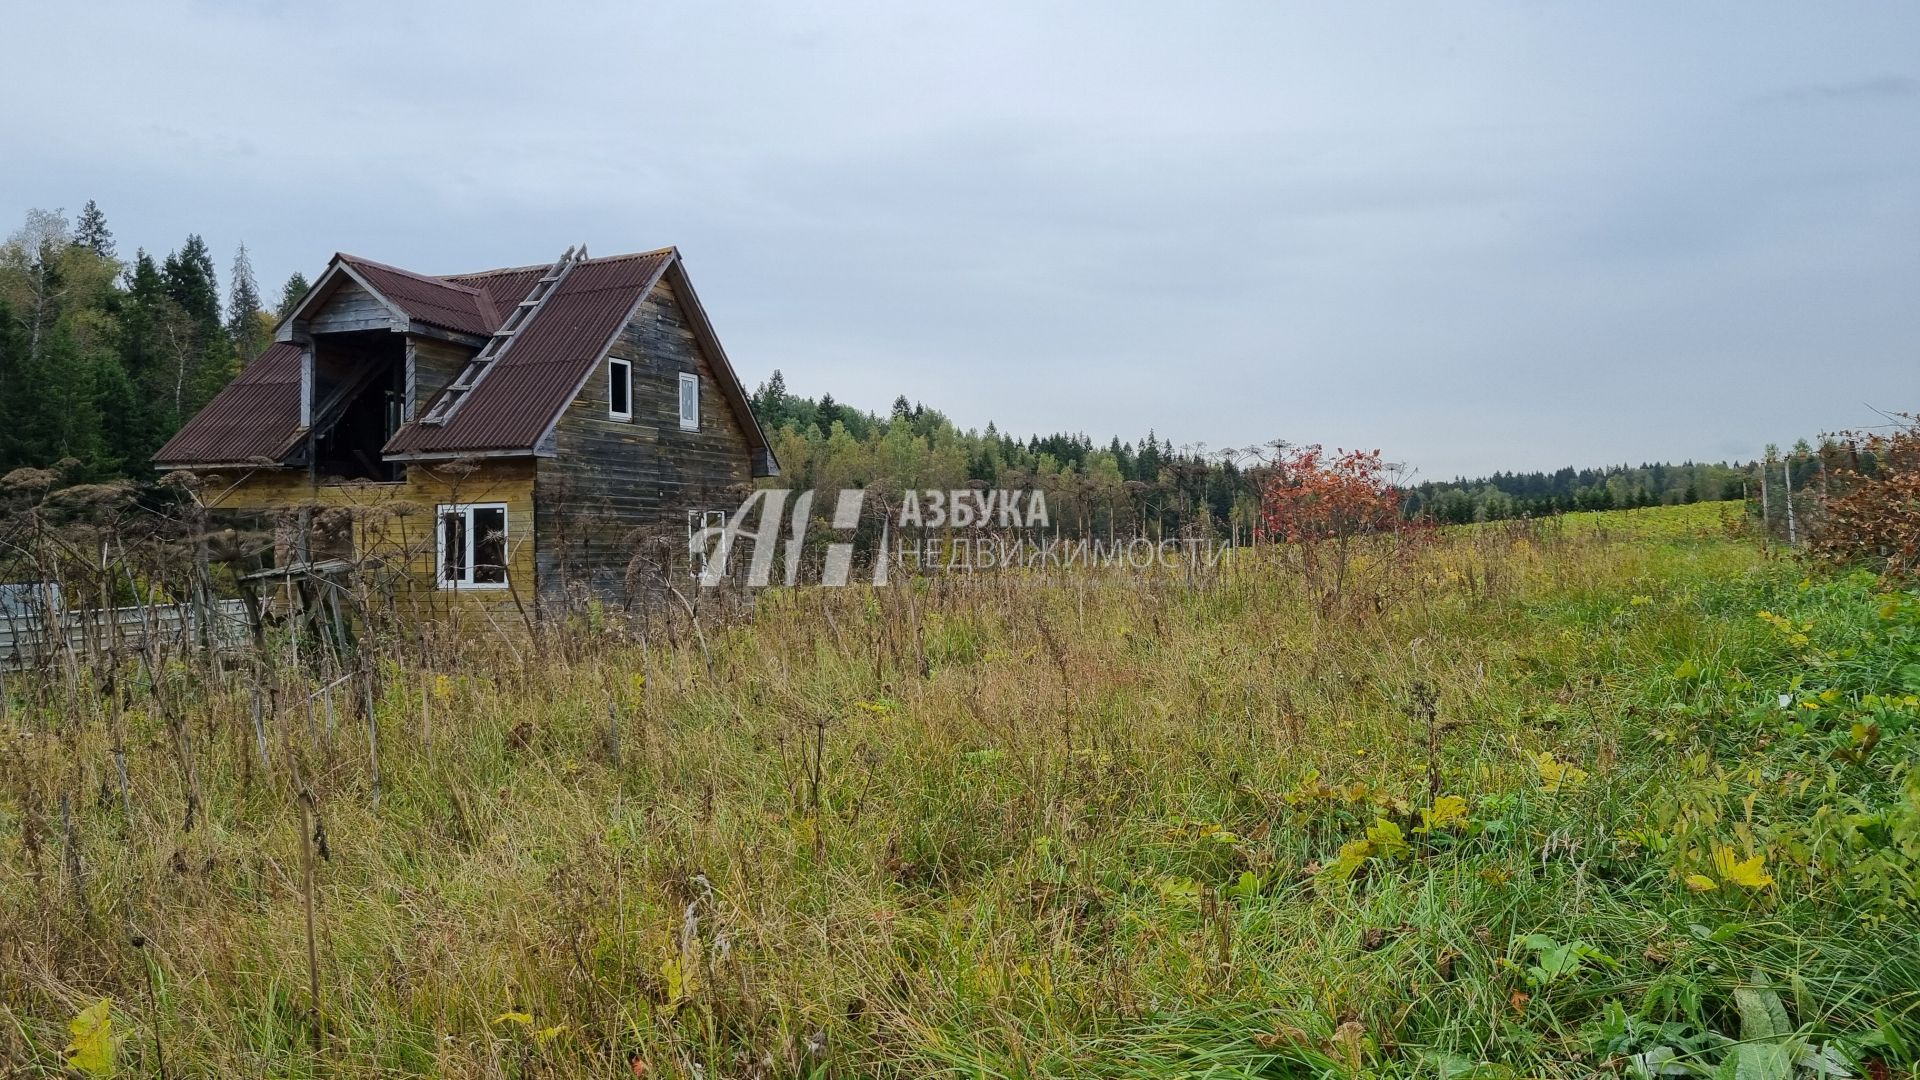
505	287
446	304
254	417
539	373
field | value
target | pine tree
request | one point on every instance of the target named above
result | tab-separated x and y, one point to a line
92	232
294	290
243	307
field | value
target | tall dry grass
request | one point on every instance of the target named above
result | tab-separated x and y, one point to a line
998	827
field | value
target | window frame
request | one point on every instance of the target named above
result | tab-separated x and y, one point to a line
698	521
469	537
612	412
689	423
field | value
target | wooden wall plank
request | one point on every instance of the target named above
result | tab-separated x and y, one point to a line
394	523
613	483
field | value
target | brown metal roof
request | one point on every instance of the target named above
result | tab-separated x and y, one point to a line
506	287
446	304
537	375
255	417
541	371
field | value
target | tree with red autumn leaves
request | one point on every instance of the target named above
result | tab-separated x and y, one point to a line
1870	505
1322	505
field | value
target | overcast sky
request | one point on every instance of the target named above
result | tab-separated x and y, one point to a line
1477	236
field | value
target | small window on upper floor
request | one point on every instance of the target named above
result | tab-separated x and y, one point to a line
619	389
689	401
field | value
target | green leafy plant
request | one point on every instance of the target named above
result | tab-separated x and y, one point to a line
1769	1046
1554	961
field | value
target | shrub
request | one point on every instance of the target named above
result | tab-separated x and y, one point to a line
1871	508
1323	505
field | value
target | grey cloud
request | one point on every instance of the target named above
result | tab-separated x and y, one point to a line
1502	237
1874	89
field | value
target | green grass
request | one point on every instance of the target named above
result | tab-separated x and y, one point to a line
1059	830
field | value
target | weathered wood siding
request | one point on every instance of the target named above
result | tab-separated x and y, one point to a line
394	524
431	365
350	307
613	485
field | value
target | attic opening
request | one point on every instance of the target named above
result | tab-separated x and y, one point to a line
359	401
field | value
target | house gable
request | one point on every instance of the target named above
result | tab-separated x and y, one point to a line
614	487
350	307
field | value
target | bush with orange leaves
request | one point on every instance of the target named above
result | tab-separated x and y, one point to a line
1327	507
1870	512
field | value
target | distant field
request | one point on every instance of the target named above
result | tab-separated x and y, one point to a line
1568	793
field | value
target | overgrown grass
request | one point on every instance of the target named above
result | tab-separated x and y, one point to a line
1014	830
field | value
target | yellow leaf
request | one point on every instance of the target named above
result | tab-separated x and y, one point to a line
547	1035
1701	883
678	980
1446	810
1387	840
91	1050
1182	891
1687	670
1353	855
523	1019
1749	873
1556	775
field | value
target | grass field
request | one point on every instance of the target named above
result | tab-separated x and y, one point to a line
1611	786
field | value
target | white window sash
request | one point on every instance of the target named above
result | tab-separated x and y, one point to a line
613	407
699	522
469	538
689	395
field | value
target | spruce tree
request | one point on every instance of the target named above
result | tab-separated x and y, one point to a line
92	232
13	404
192	284
243	307
295	289
203	363
149	327
770	401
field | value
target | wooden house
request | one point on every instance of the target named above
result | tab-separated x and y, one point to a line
494	437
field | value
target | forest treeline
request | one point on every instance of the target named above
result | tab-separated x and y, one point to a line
102	357
1153	486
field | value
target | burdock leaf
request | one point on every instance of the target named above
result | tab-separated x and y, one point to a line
91	1050
1762	1015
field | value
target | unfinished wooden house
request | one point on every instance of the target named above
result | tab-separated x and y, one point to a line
507	436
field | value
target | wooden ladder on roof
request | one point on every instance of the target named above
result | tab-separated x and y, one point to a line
503	338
